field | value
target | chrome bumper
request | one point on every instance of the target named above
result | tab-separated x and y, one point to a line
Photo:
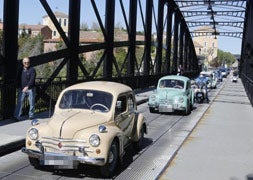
46	156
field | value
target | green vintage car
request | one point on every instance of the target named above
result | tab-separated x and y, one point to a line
173	93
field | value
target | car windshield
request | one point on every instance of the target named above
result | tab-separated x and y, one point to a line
171	83
86	99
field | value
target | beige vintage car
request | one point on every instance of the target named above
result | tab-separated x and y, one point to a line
93	123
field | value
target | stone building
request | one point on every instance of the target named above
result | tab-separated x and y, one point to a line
63	21
34	30
206	44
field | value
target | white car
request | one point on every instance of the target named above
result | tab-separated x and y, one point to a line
93	123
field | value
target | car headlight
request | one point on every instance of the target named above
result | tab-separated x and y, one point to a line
94	140
180	99
153	97
33	134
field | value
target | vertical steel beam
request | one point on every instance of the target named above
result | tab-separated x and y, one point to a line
175	42
168	39
132	37
73	33
148	34
192	61
10	52
186	52
181	43
246	62
109	30
159	37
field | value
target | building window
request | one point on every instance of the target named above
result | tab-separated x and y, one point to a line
65	22
205	44
60	21
54	33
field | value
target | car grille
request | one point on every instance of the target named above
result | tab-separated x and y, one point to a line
166	101
69	146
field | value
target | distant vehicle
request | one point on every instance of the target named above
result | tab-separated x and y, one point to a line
211	81
217	75
173	93
234	77
93	123
224	72
200	90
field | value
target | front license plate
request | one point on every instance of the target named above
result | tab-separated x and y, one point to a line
167	108
66	162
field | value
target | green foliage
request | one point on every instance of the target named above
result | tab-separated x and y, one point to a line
30	46
84	26
225	58
120	55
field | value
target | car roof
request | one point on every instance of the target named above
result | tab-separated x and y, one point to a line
182	78
108	86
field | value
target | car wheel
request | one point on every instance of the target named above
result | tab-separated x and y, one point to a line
34	162
112	161
187	110
152	110
191	106
138	145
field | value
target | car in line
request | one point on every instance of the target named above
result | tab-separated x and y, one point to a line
211	81
224	72
173	93
93	123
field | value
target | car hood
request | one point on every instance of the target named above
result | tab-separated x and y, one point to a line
66	123
168	94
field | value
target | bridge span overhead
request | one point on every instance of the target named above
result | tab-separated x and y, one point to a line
137	43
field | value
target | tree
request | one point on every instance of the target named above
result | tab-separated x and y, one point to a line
225	58
84	26
95	26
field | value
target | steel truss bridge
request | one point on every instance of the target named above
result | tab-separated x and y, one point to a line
167	28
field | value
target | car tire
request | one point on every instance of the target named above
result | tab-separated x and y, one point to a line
109	168
139	144
191	106
34	162
152	110
187	110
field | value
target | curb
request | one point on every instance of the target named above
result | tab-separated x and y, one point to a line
11	147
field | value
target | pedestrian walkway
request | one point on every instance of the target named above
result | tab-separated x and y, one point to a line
221	145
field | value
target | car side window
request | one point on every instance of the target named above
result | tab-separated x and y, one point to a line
130	103
188	85
121	105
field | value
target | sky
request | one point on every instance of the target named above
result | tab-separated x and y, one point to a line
31	12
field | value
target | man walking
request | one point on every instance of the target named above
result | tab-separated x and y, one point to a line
26	88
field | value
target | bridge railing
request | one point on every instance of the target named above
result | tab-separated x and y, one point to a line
136	83
56	86
248	85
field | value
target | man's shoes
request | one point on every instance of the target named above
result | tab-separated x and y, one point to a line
31	118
